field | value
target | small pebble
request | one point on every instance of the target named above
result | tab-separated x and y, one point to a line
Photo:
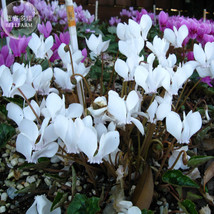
2	209
25	173
19	186
69	197
10	175
4	196
21	160
14	162
8	205
79	188
30	179
68	183
78	183
5	155
94	192
12	206
47	181
26	184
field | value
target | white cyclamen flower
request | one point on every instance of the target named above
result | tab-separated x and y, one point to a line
96	44
41	48
150	80
176	37
174	156
42	205
124	111
183	130
26	140
204	59
108	143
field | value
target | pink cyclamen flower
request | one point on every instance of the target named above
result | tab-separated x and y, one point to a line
18	46
62	38
45	29
84	53
207	80
6	58
163	19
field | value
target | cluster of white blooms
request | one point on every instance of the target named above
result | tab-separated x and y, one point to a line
46	126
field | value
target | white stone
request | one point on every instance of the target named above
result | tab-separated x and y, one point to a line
4	196
68	183
19	186
30	179
2	209
14	162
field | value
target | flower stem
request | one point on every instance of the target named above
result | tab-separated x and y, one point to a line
191	90
26	99
101	76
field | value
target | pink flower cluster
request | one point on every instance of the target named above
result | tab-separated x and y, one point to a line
199	30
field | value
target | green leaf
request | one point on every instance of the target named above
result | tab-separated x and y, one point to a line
145	211
112	29
6	132
188	207
198	160
176	177
191	196
3	111
82	205
59	199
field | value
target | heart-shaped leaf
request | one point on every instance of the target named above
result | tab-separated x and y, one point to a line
6	132
176	177
198	160
188	207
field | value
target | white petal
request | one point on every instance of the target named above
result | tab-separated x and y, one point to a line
194	121
121	30
146	24
49	134
208	49
28	113
152	110
169	35
199	54
6	80
49	150
62	78
29	128
141	75
24	146
54	103
101	129
132	100
174	125
87	142
117	107
61	126
15	112
109	142
74	110
138	124
182	34
92	43
26	89
44	206
48	43
163	110
122	69
134	210
134	28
